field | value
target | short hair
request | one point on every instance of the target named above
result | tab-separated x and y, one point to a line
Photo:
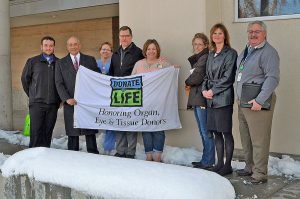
123	28
47	38
261	23
74	38
105	43
201	36
147	43
224	30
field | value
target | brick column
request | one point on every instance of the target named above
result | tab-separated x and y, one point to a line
5	72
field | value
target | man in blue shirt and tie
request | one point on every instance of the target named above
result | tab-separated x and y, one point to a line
39	85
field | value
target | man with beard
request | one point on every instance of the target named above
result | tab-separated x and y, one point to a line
39	85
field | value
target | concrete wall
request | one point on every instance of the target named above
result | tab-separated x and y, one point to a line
23	187
173	24
30	7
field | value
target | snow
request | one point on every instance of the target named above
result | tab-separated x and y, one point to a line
112	177
162	176
3	158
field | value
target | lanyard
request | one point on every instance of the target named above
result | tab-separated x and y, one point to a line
245	56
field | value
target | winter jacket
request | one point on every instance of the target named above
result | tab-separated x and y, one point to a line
198	63
220	76
124	68
38	80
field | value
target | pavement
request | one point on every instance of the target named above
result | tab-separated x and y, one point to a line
280	187
277	186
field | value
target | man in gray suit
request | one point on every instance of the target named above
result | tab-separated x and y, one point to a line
65	76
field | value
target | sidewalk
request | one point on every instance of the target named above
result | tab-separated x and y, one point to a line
276	187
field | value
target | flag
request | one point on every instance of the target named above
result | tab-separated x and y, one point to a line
143	102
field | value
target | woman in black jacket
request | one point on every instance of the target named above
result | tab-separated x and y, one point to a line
196	100
217	88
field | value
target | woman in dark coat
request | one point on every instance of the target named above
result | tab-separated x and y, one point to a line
196	100
217	88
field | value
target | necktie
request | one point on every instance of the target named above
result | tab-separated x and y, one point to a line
75	63
250	49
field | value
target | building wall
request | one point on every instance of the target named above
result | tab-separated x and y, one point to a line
25	43
173	24
284	36
31	7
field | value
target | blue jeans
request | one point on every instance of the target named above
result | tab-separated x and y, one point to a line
154	141
109	140
208	157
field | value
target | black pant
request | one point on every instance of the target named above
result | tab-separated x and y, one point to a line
91	145
42	122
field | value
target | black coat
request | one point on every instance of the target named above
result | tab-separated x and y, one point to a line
38	81
220	76
132	55
198	63
65	76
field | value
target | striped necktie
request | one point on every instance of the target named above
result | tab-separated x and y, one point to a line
75	63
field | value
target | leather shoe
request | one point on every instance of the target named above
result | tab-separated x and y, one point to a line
257	181
195	163
130	156
226	170
243	172
202	166
120	155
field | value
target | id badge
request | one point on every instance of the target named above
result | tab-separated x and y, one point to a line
239	77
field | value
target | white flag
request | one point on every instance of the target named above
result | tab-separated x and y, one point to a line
144	102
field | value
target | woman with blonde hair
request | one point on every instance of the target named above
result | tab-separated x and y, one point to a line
196	101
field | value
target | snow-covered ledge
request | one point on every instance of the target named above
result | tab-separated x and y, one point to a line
111	177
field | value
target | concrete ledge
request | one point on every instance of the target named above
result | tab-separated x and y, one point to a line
21	187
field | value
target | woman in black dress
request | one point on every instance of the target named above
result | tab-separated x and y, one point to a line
217	88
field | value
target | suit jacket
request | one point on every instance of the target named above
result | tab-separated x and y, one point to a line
220	74
65	77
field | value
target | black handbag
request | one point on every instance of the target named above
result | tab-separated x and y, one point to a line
249	92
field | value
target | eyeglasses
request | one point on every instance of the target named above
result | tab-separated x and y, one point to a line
254	31
104	49
122	36
194	44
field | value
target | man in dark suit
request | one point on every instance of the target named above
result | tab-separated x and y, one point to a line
65	76
122	63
